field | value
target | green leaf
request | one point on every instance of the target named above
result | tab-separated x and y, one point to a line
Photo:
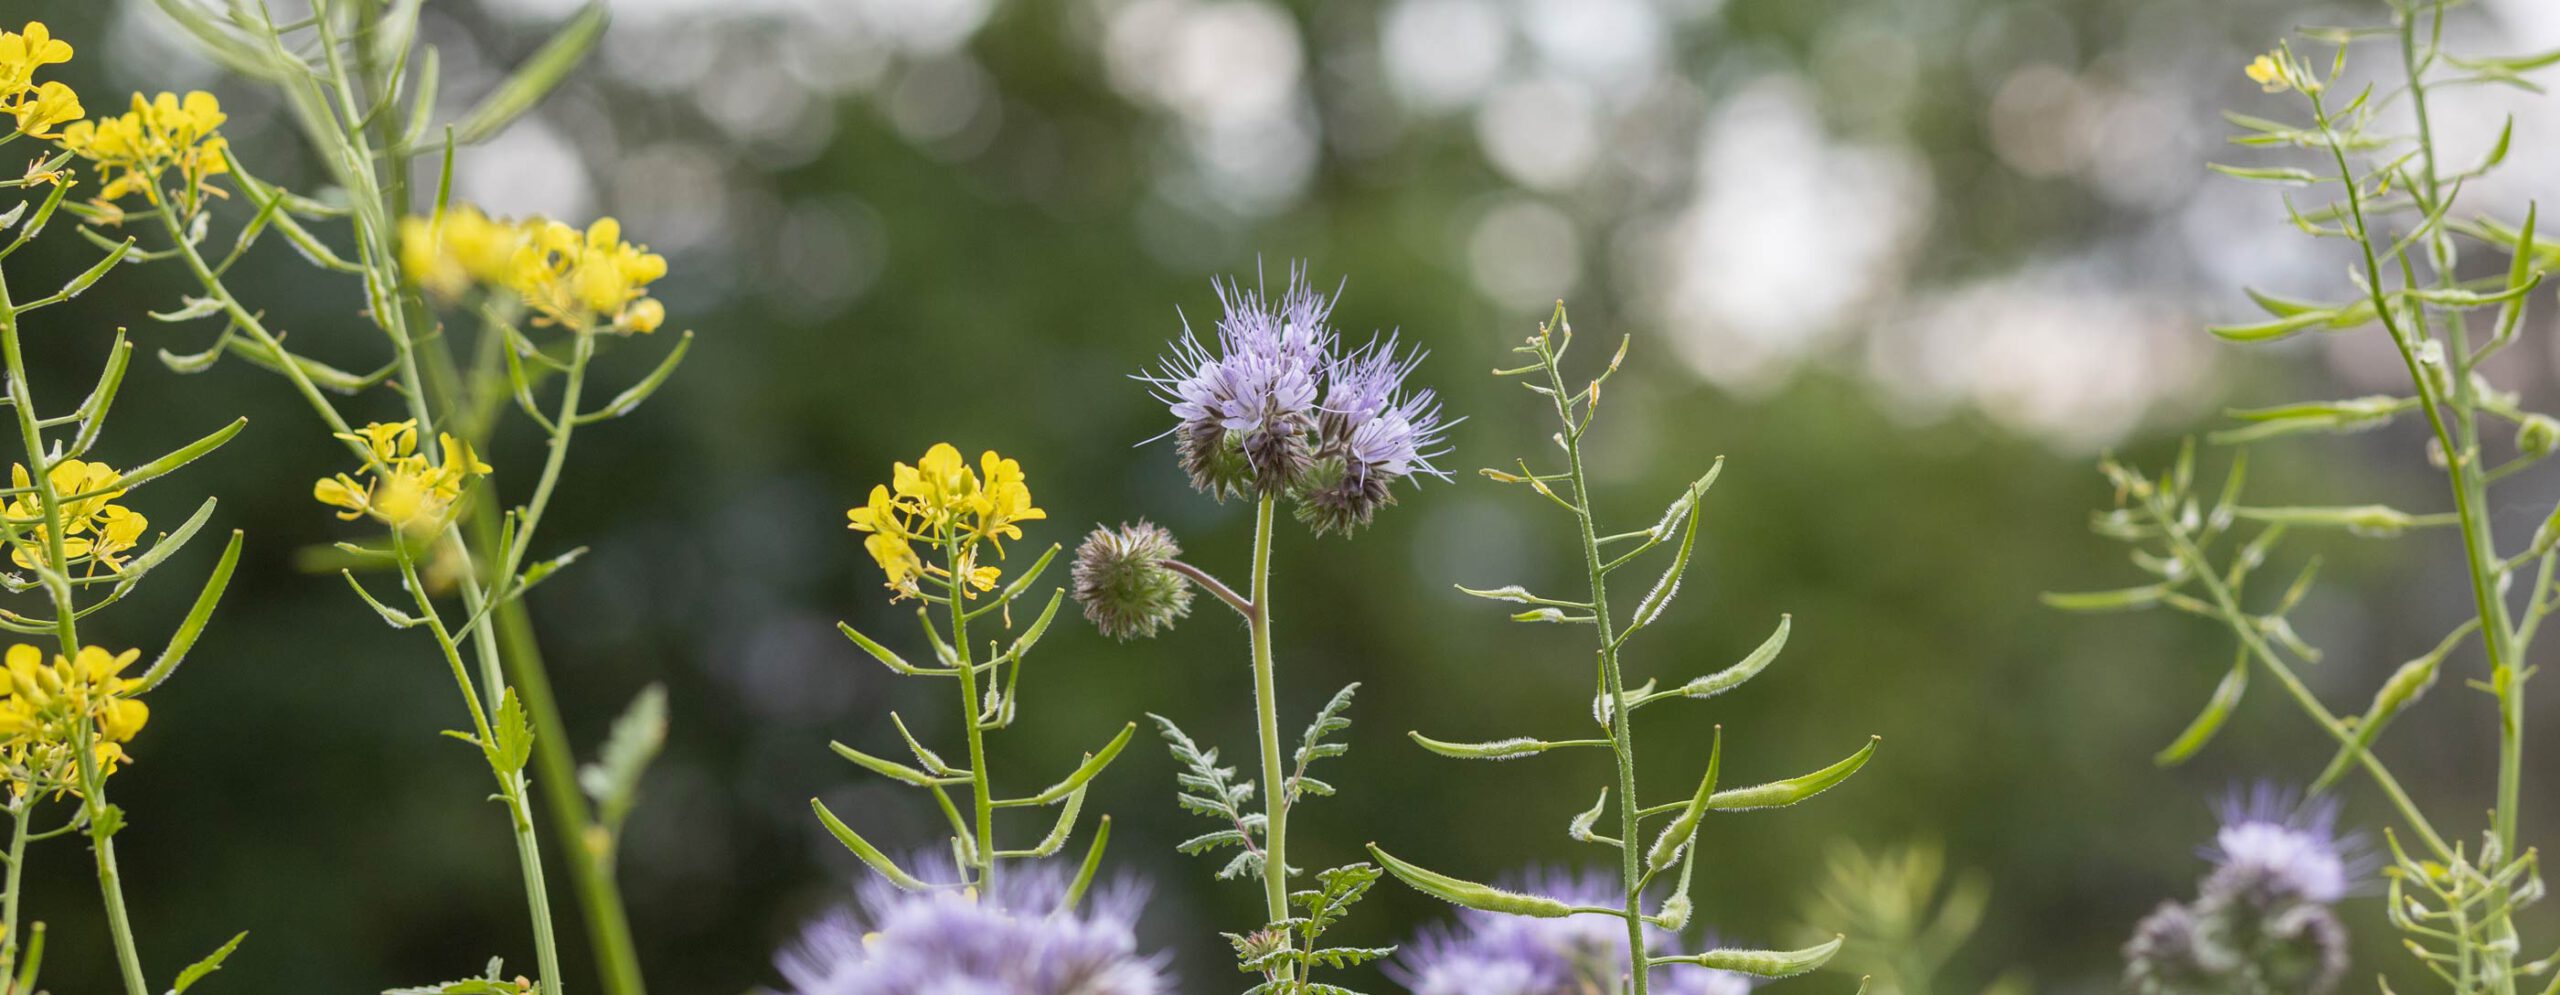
614	779
514	732
535	79
212	962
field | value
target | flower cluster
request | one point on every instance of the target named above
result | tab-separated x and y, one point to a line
941	503
1274	406
1123	581
2263	920
94	527
1023	940
586	281
44	708
133	149
39	108
402	488
1493	954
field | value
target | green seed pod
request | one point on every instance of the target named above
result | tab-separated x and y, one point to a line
1776	794
863	849
1684	827
1468	894
1500	749
1764	963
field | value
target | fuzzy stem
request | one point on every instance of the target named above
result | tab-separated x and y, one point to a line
981	791
1621	737
21	811
1275	800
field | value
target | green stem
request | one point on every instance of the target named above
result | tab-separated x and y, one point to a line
1275	793
21	811
57	583
511	783
981	793
1621	737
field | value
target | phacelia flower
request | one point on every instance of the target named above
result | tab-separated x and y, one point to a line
46	703
2262	919
2275	849
449	254
1122	580
1371	433
38	108
1247	400
1493	954
1018	941
587	281
400	486
132	150
944	505
95	529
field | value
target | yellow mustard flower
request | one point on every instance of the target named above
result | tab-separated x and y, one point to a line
463	248
133	149
94	527
2268	72
401	487
46	703
588	281
943	504
38	107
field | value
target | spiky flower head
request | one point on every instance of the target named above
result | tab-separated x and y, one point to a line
1122	580
1493	954
2273	849
1371	433
1020	940
2262	920
1272	405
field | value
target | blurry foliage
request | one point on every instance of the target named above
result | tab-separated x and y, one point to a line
317	799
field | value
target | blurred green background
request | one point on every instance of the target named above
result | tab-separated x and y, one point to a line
1908	264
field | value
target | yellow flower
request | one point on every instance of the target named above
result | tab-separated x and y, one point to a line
401	487
587	281
2268	72
450	254
133	149
941	503
46	107
37	107
45	705
93	526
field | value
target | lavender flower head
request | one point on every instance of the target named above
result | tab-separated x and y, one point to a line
1273	405
1493	954
952	942
2273	849
1247	405
2262	919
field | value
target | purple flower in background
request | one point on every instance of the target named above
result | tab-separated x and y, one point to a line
951	942
1492	954
2274	848
1372	433
1247	400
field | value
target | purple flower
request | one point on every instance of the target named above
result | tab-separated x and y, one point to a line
1018	941
2274	848
1492	954
1372	433
1248	400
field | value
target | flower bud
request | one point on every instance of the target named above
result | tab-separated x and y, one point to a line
1123	583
